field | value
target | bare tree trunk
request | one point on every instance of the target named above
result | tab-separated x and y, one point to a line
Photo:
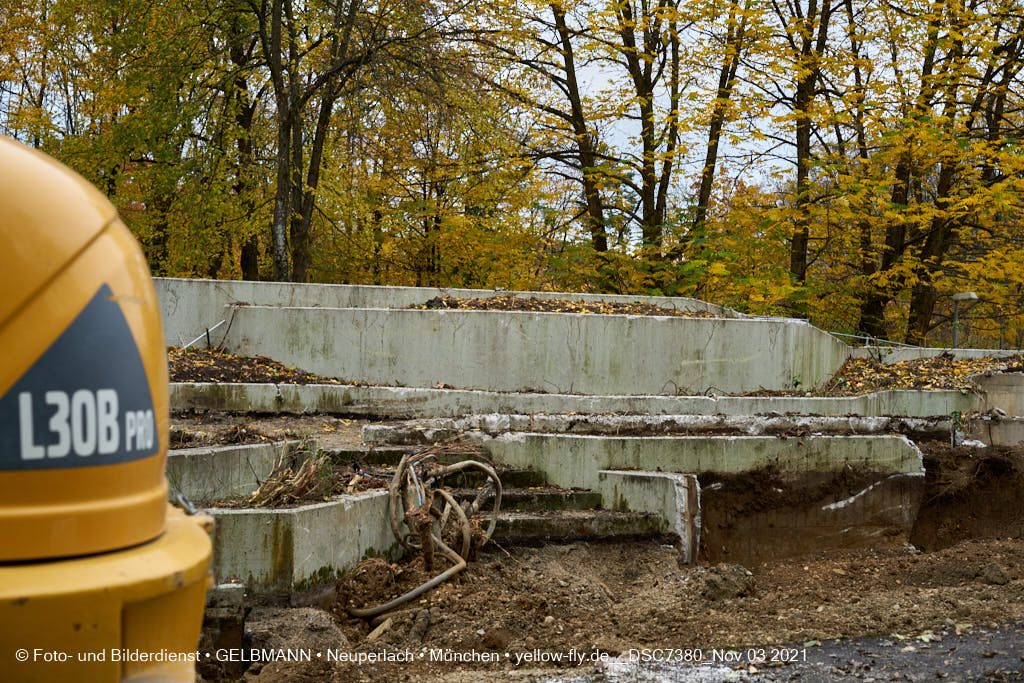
244	114
640	58
584	139
726	81
809	60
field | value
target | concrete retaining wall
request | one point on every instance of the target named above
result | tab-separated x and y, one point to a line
991	432
540	352
278	551
290	550
1003	391
190	306
204	475
410	403
575	461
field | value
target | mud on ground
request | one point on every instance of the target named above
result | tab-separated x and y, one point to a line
613	597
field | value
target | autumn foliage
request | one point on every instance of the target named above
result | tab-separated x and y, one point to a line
854	162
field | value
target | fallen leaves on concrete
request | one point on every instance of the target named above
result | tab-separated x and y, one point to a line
215	365
516	303
864	375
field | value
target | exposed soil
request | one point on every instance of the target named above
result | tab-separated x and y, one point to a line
970	493
515	303
753	516
612	597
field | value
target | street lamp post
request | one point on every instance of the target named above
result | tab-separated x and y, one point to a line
957	298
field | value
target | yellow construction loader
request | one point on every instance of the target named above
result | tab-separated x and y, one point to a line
100	578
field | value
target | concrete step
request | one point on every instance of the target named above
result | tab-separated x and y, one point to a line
537	498
653	354
370	455
390	455
439	429
511	478
572	525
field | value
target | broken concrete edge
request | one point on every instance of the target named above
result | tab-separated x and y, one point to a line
280	552
575	460
561	352
672	497
206	474
226	596
415	403
439	429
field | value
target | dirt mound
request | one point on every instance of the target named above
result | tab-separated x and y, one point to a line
272	628
515	303
725	581
970	493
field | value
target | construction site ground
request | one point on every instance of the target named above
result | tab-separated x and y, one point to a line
952	607
619	600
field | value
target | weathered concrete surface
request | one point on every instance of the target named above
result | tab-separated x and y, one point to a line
890	355
1004	391
571	525
539	352
997	432
431	431
409	403
204	475
278	551
674	499
190	306
575	461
